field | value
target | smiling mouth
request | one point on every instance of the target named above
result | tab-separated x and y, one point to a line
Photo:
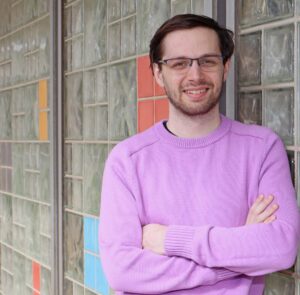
195	92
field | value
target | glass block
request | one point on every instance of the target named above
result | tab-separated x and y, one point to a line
17	51
68	287
5	115
128	7
7	282
128	41
32	235
73	245
198	6
250	59
77	53
6	219
89	292
94	159
73	106
249	108
44	48
18	169
122	117
28	272
95	123
78	290
114	48
18	211
150	15
279	284
278	61
46	246
73	194
95	86
264	11
95	31
77	162
7	258
279	113
17	14
45	281
5	22
45	225
114	10
31	118
181	6
43	7
18	271
77	21
44	177
68	21
30	10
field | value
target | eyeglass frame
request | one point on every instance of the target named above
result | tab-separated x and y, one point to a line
191	60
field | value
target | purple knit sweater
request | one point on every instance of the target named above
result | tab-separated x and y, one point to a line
202	188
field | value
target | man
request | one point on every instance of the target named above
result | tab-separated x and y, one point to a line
175	214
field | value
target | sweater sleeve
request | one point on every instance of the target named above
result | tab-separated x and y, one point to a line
254	249
127	266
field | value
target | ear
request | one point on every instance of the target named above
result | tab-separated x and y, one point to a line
158	75
226	69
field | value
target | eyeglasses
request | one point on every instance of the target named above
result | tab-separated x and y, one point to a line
207	63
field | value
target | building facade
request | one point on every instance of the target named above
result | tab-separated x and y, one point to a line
74	81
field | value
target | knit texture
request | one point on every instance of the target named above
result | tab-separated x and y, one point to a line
202	189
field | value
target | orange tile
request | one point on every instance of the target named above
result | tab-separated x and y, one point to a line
158	91
161	109
43	94
36	276
43	126
145	114
144	77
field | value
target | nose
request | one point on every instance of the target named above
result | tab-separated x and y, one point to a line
195	73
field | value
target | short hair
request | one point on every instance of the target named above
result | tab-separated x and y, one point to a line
190	21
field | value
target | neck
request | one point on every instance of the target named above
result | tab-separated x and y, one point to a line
193	126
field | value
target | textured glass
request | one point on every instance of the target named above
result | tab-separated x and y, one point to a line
95	31
30	10
7	258
150	15
45	281
73	194
263	10
77	21
73	159
44	48
17	14
94	159
43	7
73	106
128	42
123	100
46	246
18	170
18	211
17	51
68	287
114	10
278	61
95	123
5	115
114	48
7	282
279	284
45	226
68	21
18	271
95	86
128	7
77	53
73	243
44	173
249	59
5	22
181	6
31	119
249	108
198	6
279	113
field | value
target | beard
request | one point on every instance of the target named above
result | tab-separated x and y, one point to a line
193	108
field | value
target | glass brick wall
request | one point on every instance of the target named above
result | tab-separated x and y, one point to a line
25	205
268	89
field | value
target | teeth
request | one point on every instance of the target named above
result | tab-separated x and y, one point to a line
195	91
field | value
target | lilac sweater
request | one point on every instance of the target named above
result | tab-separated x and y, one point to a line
202	188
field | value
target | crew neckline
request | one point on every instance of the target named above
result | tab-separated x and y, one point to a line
215	135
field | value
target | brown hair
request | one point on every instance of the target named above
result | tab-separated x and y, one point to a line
190	21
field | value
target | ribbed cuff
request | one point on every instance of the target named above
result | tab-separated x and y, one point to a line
178	241
223	274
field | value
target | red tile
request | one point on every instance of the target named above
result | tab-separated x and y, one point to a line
145	114
35	293
36	276
145	77
161	109
158	91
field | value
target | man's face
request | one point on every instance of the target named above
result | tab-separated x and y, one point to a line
195	91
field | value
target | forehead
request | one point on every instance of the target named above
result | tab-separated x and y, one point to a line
191	42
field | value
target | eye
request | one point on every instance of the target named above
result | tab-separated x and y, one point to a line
209	62
178	64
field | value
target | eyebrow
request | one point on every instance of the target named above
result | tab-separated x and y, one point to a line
204	55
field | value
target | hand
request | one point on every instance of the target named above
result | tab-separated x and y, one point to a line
154	238
261	212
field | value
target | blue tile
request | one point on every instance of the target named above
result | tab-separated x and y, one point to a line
90	270
101	282
91	234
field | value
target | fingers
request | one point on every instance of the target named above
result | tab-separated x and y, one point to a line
270	219
269	212
261	203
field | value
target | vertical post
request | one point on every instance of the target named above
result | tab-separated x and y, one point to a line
56	143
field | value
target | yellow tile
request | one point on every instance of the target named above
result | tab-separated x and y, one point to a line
43	126
43	94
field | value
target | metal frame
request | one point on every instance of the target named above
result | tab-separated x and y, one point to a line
56	143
